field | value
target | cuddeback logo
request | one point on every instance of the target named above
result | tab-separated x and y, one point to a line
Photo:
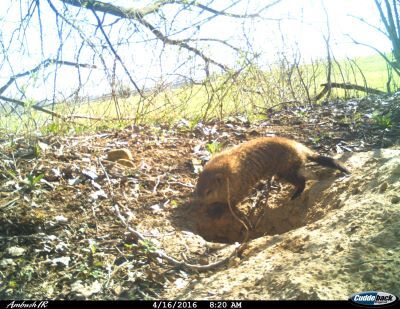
373	298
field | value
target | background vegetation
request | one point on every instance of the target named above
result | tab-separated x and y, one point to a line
79	44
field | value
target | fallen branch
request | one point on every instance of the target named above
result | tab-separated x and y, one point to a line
329	86
171	260
99	118
355	87
159	253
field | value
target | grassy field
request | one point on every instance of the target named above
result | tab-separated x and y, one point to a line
375	70
252	92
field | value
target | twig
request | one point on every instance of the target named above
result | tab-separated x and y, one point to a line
234	214
370	261
110	45
216	12
157	183
189	185
39	235
44	64
268	189
38	108
9	203
161	254
99	118
108	178
390	63
139	15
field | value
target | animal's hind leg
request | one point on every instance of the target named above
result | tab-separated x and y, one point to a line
299	188
298	180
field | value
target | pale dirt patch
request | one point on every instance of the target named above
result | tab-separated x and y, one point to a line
349	242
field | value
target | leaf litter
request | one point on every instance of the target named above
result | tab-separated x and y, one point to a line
63	232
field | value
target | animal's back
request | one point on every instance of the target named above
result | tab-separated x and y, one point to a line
263	158
269	155
244	165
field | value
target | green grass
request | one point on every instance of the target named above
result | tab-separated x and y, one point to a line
375	71
197	102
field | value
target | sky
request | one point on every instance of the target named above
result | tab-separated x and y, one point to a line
308	30
302	26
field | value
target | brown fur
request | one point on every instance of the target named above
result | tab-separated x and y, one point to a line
246	164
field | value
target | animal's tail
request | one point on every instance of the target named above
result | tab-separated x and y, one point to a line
328	162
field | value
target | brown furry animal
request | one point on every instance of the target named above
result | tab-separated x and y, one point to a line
246	164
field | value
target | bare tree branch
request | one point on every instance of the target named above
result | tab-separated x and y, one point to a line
216	12
370	25
117	10
38	108
155	7
43	64
138	14
180	43
99	23
388	61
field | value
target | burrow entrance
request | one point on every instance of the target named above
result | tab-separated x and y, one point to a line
274	213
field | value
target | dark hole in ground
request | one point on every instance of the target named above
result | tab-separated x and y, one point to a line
275	215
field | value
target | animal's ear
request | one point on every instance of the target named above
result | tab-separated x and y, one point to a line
219	178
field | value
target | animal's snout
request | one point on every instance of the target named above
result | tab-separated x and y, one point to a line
195	195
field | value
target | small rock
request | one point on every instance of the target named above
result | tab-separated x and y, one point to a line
16	251
74	181
6	263
98	194
355	191
203	261
180	283
61	219
339	248
383	187
63	261
77	286
234	262
156	208
43	146
125	162
117	290
197	167
91	174
338	203
352	228
245	278
117	154
395	199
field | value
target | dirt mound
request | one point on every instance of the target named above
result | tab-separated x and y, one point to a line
61	237
269	211
348	241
